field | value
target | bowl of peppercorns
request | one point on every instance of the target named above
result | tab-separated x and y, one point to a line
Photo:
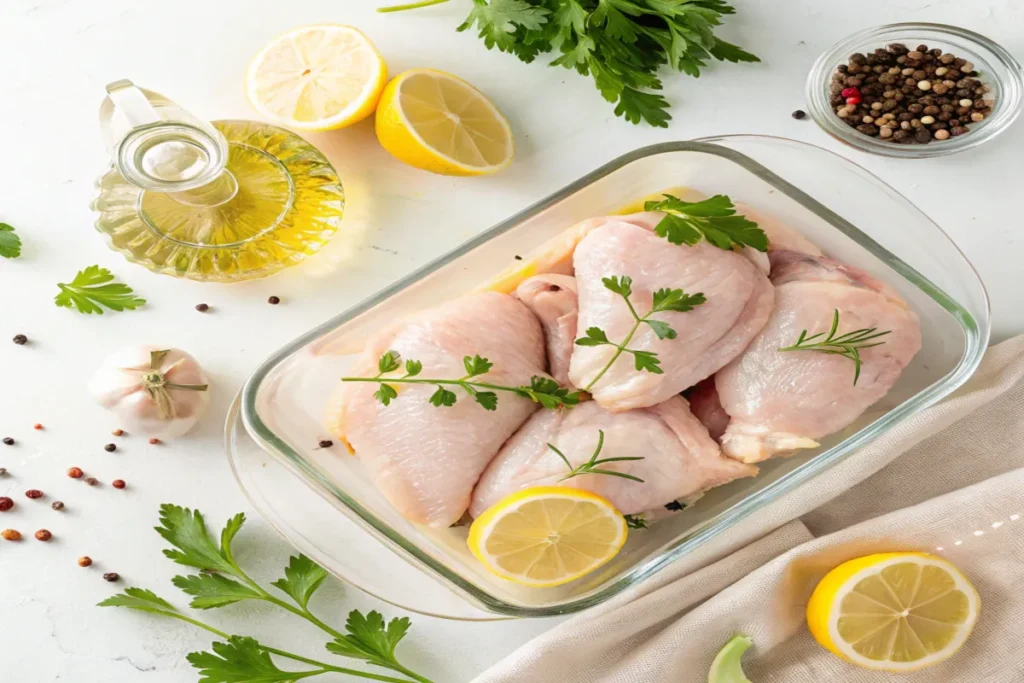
915	90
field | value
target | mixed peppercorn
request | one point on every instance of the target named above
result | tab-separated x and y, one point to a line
909	96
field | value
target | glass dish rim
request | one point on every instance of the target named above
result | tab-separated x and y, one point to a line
1008	108
976	340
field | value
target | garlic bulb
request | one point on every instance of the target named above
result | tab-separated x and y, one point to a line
155	392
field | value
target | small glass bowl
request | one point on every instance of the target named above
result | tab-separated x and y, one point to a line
997	67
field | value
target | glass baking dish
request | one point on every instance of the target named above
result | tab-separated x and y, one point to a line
849	213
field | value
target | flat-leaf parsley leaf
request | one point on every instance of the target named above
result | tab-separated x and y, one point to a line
94	288
10	243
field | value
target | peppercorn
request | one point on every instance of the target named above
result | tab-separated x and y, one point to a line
118	484
8	441
118	432
57	505
33	494
20	339
11	535
43	535
274	300
154	441
326	443
84	561
202	308
3	471
92	481
958	130
111	576
37	426
75	472
110	448
799	114
6	503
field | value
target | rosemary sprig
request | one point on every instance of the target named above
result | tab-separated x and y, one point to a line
848	345
591	466
543	390
664	300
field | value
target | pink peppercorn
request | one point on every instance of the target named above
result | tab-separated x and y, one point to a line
851	92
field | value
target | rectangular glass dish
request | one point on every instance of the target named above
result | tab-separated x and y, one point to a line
849	213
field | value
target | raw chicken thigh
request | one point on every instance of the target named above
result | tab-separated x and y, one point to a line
679	458
706	407
553	299
739	302
785	400
426	459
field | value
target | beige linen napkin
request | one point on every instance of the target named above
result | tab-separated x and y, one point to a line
957	491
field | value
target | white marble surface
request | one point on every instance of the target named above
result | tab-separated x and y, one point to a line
57	54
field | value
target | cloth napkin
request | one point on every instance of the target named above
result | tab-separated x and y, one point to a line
957	490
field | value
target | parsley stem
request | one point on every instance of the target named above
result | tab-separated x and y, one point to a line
411	5
466	385
619	348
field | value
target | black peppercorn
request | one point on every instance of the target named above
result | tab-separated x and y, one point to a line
326	443
57	505
274	300
110	448
3	471
799	114
8	441
20	339
111	576
202	308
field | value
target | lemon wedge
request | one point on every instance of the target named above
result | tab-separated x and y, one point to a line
728	665
547	536
893	611
319	77
440	123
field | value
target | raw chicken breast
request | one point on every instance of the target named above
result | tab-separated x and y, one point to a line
739	301
426	459
553	299
785	400
679	458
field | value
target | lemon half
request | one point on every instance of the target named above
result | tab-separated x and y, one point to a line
893	611
319	77
438	122
547	536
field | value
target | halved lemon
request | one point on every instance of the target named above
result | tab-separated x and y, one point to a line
319	77
441	123
547	536
893	611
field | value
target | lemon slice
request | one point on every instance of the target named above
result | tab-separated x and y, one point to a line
318	77
728	665
440	123
547	536
893	611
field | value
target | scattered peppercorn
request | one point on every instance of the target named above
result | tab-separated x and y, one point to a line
154	441
110	448
111	576
908	96
43	535
84	561
92	481
33	494
57	505
326	443
799	114
118	432
202	308
37	426
674	506
517	257
20	339
118	484
6	503
75	472
11	535
3	471
274	300
8	441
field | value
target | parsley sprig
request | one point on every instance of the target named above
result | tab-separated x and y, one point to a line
10	243
542	390
713	219
636	521
664	300
94	288
223	582
592	466
621	44
848	344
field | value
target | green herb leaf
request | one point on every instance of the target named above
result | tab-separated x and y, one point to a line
385	394
186	530
676	300
94	288
389	362
591	466
488	399
595	337
620	285
240	660
636	521
849	344
139	599
213	590
500	21
443	397
413	368
301	579
662	329
10	243
713	219
476	366
647	361
369	638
